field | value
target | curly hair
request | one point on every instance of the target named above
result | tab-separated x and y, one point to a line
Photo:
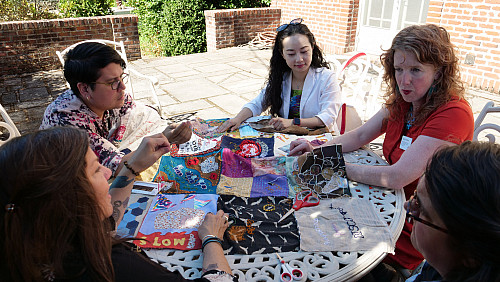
431	45
56	228
278	66
463	183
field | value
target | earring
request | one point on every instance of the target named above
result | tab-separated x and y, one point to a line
430	91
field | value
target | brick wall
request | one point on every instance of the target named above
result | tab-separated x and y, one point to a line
232	27
30	46
333	22
474	28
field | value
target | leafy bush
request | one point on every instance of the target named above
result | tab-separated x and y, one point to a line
23	10
177	27
85	8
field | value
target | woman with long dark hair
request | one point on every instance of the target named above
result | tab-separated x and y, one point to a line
58	213
301	89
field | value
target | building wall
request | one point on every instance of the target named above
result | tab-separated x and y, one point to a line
333	22
474	28
30	46
232	27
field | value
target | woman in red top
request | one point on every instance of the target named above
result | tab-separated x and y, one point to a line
424	110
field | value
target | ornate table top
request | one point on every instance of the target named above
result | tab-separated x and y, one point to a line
319	266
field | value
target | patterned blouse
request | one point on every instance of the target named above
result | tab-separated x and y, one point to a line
105	133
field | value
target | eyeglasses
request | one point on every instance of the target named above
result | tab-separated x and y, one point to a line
116	83
413	212
293	22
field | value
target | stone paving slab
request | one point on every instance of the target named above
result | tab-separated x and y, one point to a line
214	84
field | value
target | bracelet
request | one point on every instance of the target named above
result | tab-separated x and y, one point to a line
210	240
209	236
125	163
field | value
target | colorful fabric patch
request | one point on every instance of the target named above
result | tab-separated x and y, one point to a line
194	174
284	140
134	215
235	186
234	165
249	147
207	128
253	225
195	146
317	169
176	227
271	165
248	131
269	185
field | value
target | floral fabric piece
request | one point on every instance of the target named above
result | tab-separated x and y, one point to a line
271	165
176	227
253	225
249	147
207	128
194	174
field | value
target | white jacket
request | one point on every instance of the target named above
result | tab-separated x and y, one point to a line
321	97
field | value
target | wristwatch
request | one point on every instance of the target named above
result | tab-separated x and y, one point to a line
296	121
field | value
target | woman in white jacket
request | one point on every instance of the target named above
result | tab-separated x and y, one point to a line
301	89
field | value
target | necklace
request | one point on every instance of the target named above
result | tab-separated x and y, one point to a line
410	119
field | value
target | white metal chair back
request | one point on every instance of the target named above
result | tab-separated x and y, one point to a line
120	49
9	125
479	127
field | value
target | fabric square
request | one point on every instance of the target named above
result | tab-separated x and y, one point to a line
235	186
134	215
234	165
271	165
343	224
282	140
207	128
195	146
269	185
194	174
253	225
323	171
249	147
173	220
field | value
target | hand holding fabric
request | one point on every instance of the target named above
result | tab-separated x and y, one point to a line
149	151
214	224
281	123
299	147
178	133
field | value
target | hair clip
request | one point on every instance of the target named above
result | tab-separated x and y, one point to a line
10	207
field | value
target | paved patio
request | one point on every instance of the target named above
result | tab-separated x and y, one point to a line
215	84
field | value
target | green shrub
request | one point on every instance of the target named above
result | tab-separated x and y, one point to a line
85	8
177	27
23	10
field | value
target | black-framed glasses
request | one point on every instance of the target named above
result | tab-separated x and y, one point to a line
413	212
293	22
116	83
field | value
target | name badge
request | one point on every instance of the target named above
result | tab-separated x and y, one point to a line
405	143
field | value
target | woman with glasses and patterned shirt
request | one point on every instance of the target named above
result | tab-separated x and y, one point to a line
301	89
456	210
98	103
425	109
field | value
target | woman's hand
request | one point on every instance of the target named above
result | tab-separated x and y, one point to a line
178	133
232	124
299	147
281	123
214	224
149	151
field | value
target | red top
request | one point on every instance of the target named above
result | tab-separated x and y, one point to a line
453	122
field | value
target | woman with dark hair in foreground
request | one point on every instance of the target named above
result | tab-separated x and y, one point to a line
58	213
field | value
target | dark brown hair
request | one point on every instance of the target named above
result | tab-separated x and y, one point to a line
278	66
431	45
56	227
463	183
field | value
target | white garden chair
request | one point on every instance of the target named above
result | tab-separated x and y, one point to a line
8	125
479	126
120	48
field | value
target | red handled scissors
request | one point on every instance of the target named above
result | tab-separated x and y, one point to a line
305	198
289	273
